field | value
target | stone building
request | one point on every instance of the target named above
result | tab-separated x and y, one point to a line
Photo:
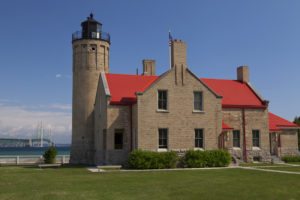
114	114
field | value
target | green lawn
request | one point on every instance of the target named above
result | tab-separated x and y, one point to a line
78	183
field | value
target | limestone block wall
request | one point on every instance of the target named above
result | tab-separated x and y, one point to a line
256	119
180	119
101	104
288	143
118	117
90	57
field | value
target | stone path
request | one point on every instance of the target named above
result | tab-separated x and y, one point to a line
94	169
255	168
269	170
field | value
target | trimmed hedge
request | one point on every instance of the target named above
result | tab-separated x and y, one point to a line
291	158
212	158
139	159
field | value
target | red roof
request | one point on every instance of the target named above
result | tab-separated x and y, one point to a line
276	123
123	87
235	93
225	126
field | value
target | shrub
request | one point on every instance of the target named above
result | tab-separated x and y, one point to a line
291	158
50	155
139	159
213	158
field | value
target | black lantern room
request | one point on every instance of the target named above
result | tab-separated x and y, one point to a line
91	29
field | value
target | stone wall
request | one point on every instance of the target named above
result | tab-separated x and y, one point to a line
180	118
101	103
90	58
288	143
118	117
255	119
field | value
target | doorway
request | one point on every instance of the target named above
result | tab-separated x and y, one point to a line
273	144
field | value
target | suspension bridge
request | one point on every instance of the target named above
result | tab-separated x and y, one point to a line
40	138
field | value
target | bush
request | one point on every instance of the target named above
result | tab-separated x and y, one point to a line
50	155
213	158
139	159
291	158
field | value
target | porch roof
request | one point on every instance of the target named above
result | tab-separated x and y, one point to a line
277	123
226	127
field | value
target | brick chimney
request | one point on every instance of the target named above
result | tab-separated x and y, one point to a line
149	67
243	74
178	53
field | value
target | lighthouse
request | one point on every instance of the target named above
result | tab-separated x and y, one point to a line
90	58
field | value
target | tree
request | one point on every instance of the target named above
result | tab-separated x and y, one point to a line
50	155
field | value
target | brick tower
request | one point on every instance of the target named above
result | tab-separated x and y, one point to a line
90	58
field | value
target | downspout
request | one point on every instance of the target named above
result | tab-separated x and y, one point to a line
131	129
279	145
244	132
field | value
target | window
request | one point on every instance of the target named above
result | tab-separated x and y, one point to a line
163	138
119	139
199	138
198	103
255	138
236	138
162	100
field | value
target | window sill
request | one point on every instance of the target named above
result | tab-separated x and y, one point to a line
198	149
199	111
162	150
256	149
236	148
162	111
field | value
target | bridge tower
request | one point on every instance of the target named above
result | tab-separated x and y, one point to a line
90	58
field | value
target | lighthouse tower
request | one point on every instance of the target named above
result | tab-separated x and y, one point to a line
90	58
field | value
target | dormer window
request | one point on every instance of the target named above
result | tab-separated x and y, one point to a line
162	100
198	101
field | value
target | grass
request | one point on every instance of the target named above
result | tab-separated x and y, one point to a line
78	183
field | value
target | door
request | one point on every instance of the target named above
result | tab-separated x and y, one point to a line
273	144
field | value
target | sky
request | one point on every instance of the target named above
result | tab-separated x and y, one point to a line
36	53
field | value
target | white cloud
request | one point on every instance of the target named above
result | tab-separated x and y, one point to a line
20	122
61	106
67	76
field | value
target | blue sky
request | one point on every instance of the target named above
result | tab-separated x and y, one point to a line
35	51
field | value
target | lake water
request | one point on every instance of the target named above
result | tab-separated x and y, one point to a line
32	150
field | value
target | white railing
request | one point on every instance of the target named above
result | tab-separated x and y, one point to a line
30	159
